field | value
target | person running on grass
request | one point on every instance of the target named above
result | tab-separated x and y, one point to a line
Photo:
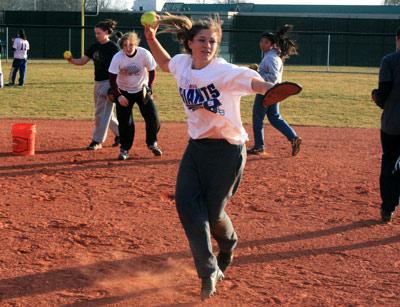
214	159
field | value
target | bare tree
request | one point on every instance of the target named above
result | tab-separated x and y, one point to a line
60	5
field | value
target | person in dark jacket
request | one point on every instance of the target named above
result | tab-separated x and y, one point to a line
387	97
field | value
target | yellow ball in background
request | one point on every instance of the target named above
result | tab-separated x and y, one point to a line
148	18
67	55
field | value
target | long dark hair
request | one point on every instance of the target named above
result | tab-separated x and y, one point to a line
185	28
22	34
107	25
283	42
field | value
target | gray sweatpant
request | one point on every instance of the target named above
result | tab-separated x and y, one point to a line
209	174
104	116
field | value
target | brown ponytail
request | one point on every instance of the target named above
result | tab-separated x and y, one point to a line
107	25
287	46
185	29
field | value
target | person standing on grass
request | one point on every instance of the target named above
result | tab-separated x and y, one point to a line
387	97
20	62
101	53
276	48
132	72
213	162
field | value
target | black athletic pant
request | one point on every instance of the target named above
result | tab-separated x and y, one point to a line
126	124
390	179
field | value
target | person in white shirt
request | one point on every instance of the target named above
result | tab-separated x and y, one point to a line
20	47
132	72
212	165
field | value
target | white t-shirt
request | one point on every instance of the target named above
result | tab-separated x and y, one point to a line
132	71
21	47
211	97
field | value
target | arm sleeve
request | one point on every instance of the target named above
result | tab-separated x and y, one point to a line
238	80
113	84
114	65
152	77
179	59
151	63
273	69
15	45
385	82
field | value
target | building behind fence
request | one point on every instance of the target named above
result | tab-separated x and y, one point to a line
327	35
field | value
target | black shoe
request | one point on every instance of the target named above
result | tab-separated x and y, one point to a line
256	150
117	141
94	146
224	260
123	155
10	84
386	216
296	142
208	284
155	149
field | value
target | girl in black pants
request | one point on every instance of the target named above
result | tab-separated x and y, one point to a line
132	72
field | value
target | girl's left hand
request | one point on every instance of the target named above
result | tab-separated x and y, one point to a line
150	32
123	101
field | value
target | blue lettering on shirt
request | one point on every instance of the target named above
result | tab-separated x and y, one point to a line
202	98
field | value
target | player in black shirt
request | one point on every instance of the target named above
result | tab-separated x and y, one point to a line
101	53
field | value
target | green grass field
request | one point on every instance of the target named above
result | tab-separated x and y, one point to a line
57	90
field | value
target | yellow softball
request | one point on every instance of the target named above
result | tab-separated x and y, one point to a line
67	55
148	18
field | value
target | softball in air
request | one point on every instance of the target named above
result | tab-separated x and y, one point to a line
67	55
148	19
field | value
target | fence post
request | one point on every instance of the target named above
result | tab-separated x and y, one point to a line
328	53
6	44
69	39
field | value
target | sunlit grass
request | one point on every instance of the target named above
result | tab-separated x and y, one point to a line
57	90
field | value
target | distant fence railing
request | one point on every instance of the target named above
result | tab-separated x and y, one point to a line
238	46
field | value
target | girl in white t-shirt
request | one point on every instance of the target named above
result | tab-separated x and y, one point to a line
211	167
132	72
20	47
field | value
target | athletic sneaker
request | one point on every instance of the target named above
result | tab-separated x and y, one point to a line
94	146
296	142
117	141
224	260
386	216
155	149
123	155
208	284
256	150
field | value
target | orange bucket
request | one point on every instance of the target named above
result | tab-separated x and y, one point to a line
23	139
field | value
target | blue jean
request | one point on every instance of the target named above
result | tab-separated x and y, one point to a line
209	175
274	117
390	178
18	64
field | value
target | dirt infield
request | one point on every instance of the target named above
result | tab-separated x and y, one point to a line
79	228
